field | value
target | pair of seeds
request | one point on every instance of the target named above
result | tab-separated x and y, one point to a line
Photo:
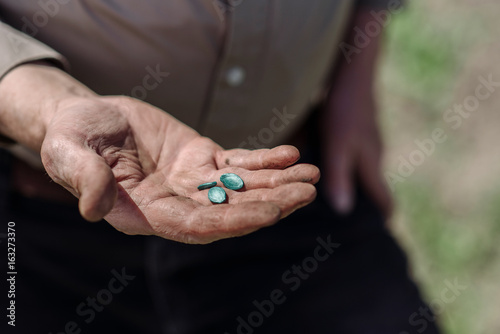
217	194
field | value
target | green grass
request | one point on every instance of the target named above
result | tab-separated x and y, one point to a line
424	54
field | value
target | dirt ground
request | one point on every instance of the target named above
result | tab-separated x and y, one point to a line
448	213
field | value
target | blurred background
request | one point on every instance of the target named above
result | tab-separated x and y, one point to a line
448	210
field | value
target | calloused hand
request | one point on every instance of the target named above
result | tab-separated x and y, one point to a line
139	168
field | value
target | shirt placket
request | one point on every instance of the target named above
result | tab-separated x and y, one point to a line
228	112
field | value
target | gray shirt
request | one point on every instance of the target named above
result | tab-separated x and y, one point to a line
242	72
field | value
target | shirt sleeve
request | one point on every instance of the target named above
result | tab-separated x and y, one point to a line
381	4
17	48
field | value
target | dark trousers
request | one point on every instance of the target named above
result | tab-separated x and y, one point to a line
313	272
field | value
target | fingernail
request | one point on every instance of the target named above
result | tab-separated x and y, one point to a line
342	203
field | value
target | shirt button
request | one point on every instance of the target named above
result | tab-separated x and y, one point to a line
235	76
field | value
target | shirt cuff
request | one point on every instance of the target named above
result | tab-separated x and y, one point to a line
18	48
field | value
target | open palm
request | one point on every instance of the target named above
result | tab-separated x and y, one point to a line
139	168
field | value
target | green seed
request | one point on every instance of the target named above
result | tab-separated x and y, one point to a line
207	185
231	181
216	195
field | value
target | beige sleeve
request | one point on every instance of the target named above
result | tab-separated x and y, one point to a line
17	48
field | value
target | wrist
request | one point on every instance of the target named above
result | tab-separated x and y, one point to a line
30	96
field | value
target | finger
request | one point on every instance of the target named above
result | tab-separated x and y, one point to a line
267	178
272	178
340	181
184	220
84	173
213	223
288	197
370	176
275	158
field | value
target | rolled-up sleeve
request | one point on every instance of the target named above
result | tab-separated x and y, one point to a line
17	48
381	4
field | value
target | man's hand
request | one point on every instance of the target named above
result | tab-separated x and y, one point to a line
350	132
352	151
139	168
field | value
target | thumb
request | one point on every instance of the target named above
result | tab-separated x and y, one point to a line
84	173
371	178
339	181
